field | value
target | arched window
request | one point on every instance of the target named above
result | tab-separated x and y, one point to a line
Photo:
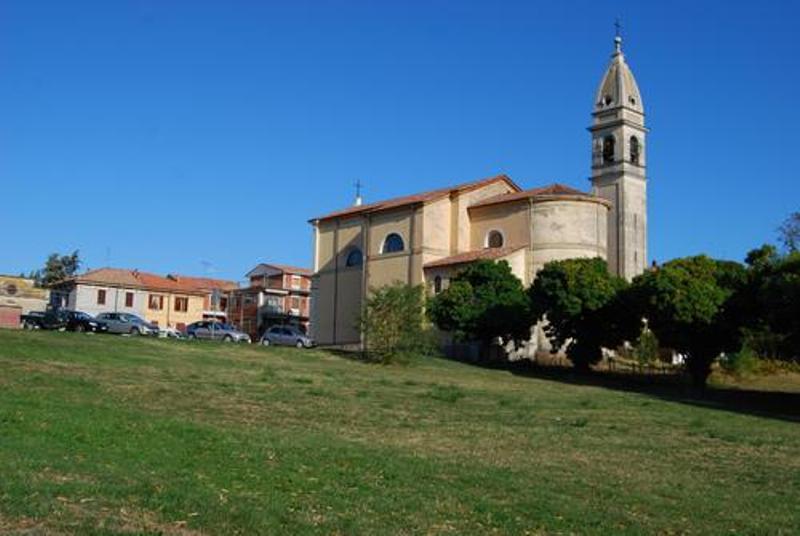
354	258
494	239
393	243
634	141
437	284
608	149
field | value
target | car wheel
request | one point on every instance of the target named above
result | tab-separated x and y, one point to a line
265	342
135	332
299	344
80	328
227	338
192	337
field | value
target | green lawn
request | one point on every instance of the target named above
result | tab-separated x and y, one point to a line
105	435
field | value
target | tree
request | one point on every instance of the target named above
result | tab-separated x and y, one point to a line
789	232
770	303
578	299
393	323
56	268
688	305
484	301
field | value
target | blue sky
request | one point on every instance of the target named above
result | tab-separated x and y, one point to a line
199	137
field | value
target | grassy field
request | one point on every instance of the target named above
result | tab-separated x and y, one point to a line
106	435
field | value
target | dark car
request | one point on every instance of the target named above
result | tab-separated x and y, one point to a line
63	319
84	322
32	320
50	319
286	336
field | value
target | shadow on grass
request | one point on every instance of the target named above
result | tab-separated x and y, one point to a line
669	387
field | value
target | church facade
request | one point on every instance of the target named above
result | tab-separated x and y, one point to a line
426	238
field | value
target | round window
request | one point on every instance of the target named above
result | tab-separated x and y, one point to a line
494	240
393	243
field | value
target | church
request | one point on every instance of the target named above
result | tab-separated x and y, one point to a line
426	238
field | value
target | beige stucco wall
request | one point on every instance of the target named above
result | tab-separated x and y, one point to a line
436	233
511	219
565	229
20	292
168	316
405	266
461	218
337	290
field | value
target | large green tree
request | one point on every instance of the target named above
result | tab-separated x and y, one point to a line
56	268
770	303
689	304
484	301
578	299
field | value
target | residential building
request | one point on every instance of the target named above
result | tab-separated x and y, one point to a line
19	296
425	238
276	294
167	301
215	303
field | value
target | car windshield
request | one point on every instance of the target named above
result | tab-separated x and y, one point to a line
226	327
134	318
82	316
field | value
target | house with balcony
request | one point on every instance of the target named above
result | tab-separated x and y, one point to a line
276	294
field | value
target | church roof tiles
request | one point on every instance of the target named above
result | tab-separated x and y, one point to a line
424	197
475	255
544	192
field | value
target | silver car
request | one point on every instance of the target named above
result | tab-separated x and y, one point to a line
126	323
218	331
286	336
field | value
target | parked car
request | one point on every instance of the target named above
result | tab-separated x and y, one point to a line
207	329
126	323
62	319
169	332
84	322
32	320
286	336
51	319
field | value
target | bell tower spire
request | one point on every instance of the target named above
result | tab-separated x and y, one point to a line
619	164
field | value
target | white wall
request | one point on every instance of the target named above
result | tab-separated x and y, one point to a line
84	298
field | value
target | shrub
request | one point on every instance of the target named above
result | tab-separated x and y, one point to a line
646	350
741	363
393	323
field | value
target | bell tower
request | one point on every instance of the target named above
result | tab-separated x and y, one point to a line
619	163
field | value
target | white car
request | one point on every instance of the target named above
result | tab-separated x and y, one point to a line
169	332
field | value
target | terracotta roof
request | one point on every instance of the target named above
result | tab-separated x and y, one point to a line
136	279
204	283
285	268
552	190
291	269
423	197
472	256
